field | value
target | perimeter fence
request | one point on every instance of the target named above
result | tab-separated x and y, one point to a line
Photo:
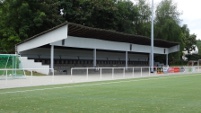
107	73
10	78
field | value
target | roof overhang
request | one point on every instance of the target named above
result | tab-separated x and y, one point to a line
66	29
96	33
52	35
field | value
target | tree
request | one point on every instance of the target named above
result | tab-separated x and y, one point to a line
167	21
115	15
198	43
93	13
143	23
167	25
21	19
188	39
127	15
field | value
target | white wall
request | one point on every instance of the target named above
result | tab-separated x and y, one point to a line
108	45
93	43
49	37
174	49
30	65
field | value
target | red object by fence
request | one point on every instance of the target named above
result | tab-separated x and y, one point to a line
173	70
176	69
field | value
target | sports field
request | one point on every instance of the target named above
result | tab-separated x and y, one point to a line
162	94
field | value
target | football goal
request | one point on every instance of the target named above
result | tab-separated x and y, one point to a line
9	66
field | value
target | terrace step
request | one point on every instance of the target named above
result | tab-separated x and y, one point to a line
30	64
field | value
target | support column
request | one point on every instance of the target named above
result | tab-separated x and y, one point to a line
126	59
52	57
152	38
94	58
167	60
150	60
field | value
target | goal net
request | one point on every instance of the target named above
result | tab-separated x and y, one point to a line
9	66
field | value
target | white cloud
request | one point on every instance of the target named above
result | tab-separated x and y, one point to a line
191	15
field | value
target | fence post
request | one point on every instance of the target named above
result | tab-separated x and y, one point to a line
100	73
124	72
6	76
87	73
52	75
24	72
71	71
112	73
53	71
149	71
197	69
71	74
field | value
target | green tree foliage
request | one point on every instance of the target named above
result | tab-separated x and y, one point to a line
94	13
185	33
167	27
127	14
143	22
198	43
21	19
118	15
167	21
187	38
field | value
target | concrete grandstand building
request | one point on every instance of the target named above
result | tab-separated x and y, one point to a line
72	45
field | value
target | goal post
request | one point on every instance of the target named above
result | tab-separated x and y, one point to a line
9	65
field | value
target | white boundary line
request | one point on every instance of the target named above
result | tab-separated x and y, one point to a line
97	84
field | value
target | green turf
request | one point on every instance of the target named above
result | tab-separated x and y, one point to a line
170	94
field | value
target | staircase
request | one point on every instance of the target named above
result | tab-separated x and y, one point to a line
30	65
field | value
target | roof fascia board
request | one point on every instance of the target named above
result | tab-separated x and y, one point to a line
174	49
43	39
147	49
89	43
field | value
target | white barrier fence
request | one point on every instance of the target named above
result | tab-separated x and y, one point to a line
10	78
110	72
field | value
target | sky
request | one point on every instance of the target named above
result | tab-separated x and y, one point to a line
191	15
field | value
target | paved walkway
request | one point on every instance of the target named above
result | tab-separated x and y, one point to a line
63	79
68	79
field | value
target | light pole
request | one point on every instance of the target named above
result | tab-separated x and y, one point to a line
152	38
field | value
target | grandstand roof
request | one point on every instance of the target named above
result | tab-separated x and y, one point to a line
102	34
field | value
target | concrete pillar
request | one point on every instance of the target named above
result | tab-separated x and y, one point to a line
150	60
94	58
126	59
167	60
52	57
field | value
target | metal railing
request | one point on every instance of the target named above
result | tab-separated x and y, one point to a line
110	72
131	72
30	77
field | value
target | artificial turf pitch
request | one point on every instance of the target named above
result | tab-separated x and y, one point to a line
165	94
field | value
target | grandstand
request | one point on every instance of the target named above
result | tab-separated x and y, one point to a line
71	45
